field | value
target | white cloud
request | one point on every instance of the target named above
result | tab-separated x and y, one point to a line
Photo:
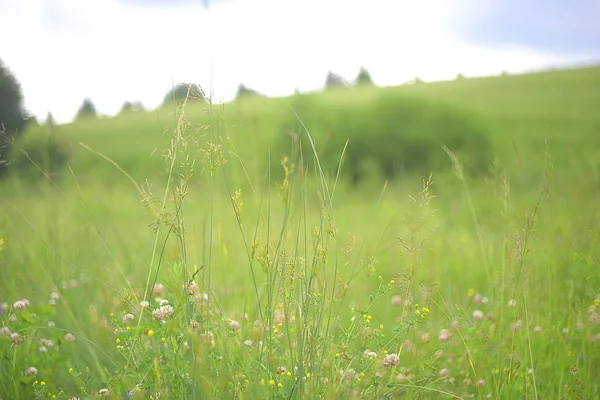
62	51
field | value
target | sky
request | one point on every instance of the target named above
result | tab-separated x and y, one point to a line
112	51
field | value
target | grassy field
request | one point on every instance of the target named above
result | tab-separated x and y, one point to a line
206	274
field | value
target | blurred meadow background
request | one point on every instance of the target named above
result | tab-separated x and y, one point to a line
316	200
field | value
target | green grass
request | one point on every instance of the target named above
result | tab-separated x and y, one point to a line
309	273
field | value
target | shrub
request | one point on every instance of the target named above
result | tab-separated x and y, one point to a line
395	134
177	94
39	150
244	91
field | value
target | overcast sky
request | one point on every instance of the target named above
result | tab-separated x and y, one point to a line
63	51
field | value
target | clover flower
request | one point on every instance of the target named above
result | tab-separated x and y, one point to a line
163	312
445	335
390	360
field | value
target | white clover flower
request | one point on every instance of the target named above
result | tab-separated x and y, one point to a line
69	337
445	335
127	317
477	314
31	371
390	360
20	304
163	312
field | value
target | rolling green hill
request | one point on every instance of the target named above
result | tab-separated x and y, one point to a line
519	112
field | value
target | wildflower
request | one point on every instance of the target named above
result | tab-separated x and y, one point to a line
150	332
46	342
537	329
516	326
248	342
144	304
444	372
396	300
52	302
31	371
485	300
281	370
390	360
3	308
5	331
467	382
16	338
20	304
69	337
471	292
158	289
477	314
455	325
51	324
192	288
43	349
279	317
163	312
208	338
271	382
512	303
565	331
477	298
104	392
127	317
234	324
348	374
445	335
369	354
194	324
12	318
596	338
481	382
54	296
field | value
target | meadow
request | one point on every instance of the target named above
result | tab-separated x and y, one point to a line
179	255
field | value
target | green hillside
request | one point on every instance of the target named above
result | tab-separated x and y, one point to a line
519	112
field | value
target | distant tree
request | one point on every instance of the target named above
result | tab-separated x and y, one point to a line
244	91
460	77
87	110
193	91
129	107
50	122
13	118
363	78
334	80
